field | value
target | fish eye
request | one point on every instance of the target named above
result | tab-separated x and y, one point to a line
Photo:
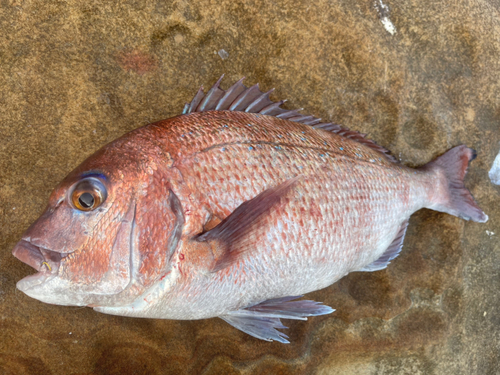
88	194
86	200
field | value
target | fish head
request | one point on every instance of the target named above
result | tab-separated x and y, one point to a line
86	244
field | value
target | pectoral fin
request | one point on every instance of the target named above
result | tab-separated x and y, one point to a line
263	320
231	234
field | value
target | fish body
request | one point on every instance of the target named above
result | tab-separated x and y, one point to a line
325	230
222	212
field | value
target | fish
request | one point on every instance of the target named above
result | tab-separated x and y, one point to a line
234	209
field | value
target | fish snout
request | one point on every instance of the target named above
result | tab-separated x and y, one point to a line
41	259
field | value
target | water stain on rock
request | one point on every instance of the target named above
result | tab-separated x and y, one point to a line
220	365
17	365
419	132
384	113
368	288
132	359
419	327
416	364
451	302
489	117
433	250
272	367
172	32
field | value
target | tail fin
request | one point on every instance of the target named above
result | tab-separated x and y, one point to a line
456	199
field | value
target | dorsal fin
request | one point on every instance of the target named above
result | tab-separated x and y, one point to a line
250	99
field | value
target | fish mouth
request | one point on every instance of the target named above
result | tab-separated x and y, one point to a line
43	260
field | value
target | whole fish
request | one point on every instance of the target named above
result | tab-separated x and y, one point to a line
233	209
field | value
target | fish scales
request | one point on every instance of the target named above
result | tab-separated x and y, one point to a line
184	135
230	214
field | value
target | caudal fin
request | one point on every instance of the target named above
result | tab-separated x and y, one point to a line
455	198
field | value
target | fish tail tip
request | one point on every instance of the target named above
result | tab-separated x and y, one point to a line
455	198
474	155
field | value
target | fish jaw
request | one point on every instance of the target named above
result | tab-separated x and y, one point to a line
40	285
41	259
51	289
46	285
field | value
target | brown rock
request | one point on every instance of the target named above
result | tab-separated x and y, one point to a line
75	75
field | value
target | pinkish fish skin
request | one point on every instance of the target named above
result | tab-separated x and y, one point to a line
224	213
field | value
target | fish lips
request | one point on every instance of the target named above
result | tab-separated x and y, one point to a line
45	261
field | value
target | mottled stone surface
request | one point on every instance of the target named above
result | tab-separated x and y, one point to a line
74	75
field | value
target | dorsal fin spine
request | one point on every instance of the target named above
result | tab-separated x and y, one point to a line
254	105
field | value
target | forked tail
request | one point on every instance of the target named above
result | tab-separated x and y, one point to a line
452	196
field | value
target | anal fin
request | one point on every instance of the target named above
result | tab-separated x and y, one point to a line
263	320
392	251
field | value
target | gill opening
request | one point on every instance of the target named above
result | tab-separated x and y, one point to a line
176	207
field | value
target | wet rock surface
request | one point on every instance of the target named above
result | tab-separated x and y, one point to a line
76	75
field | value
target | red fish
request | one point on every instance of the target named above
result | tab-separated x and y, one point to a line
233	210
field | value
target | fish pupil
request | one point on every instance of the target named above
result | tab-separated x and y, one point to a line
86	200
